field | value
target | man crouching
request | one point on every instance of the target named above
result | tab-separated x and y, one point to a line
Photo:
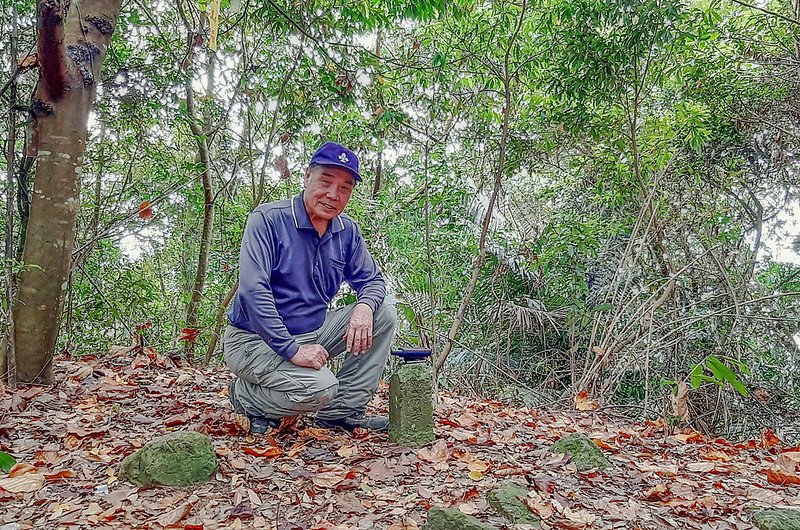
295	255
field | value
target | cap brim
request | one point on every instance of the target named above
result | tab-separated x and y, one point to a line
343	166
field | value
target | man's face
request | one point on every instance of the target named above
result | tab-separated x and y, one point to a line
328	188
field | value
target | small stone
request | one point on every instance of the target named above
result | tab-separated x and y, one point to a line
176	459
583	450
411	405
778	519
509	501
452	519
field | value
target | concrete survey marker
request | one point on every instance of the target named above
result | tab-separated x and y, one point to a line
411	400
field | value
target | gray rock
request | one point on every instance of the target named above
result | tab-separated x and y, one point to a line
452	519
176	459
508	500
584	451
778	519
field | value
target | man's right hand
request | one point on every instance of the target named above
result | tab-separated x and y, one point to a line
311	356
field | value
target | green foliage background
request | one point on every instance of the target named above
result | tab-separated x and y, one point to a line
651	144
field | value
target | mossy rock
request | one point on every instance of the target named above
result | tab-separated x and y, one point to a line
176	459
508	500
778	520
452	519
583	450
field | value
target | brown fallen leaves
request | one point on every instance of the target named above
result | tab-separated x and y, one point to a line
69	441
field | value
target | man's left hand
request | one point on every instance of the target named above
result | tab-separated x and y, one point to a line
358	338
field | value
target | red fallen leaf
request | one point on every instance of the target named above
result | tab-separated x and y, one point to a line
359	433
189	334
582	402
690	437
769	439
289	424
20	469
748	445
658	493
193	527
269	452
471	493
602	444
316	433
716	455
47	458
776	476
64	473
145	211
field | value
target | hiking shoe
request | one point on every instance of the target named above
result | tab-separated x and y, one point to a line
360	421
258	424
262	424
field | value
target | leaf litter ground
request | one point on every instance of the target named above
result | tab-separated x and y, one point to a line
69	440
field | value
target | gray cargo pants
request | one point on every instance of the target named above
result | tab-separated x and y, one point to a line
268	385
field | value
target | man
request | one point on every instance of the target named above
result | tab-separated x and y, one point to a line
295	255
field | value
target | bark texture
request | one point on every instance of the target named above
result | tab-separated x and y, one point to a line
72	43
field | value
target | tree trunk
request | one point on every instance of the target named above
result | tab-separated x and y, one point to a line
212	345
438	363
72	42
201	135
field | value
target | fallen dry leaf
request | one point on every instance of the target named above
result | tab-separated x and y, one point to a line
268	452
21	468
680	402
178	513
438	452
582	402
27	483
769	439
657	493
774	476
65	473
690	437
700	467
329	479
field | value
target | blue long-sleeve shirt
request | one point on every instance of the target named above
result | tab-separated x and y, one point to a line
288	273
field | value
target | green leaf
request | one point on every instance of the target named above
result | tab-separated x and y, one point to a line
722	372
603	307
6	461
696	376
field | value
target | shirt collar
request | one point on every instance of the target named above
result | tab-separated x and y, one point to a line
301	219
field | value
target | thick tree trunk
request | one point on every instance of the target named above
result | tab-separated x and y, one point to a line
72	42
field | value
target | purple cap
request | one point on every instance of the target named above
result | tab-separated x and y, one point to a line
333	154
